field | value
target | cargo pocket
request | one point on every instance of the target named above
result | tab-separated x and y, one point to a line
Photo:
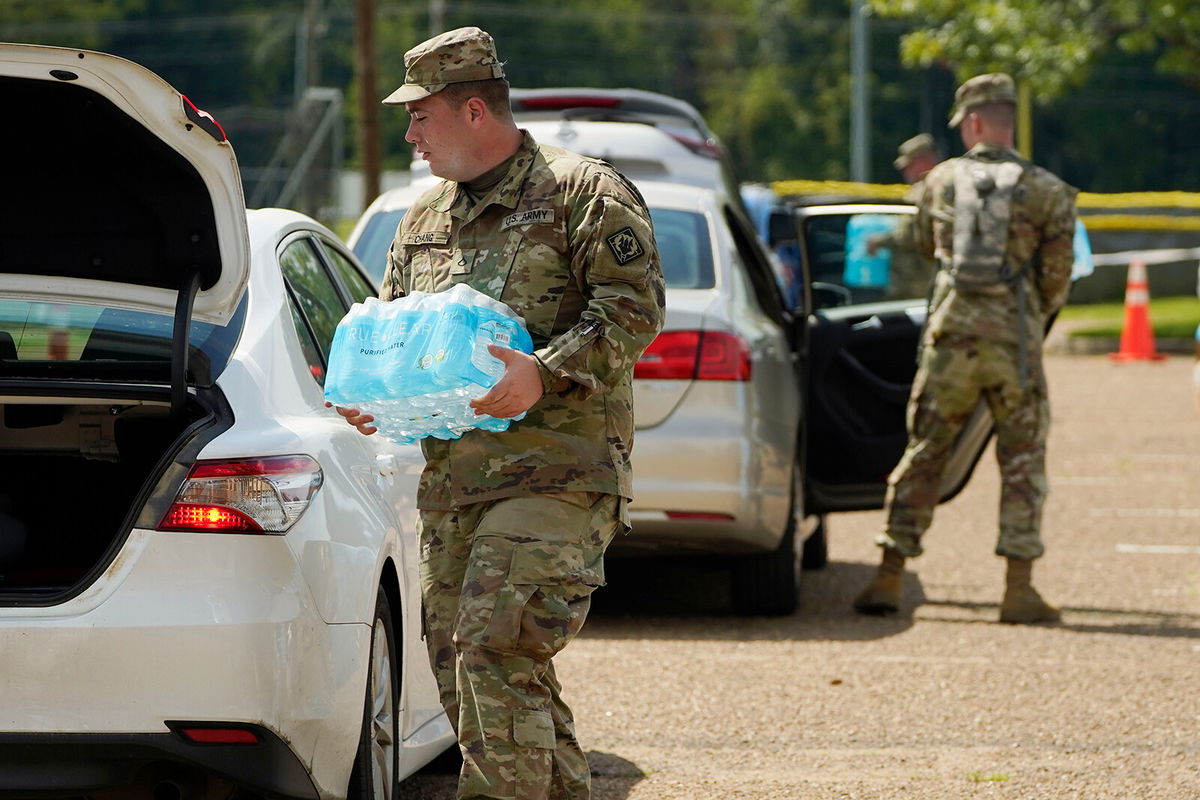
533	729
543	602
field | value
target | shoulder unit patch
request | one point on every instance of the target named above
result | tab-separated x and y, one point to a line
625	245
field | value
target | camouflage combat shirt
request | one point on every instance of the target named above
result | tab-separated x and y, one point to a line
568	244
1041	233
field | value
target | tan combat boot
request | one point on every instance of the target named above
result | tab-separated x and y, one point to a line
882	595
1022	603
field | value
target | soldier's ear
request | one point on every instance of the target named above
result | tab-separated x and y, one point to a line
477	111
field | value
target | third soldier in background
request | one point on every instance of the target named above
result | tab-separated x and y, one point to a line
1001	231
910	269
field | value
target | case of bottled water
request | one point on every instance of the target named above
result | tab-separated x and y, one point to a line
863	269
416	362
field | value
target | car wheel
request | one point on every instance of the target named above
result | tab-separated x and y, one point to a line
765	584
375	763
815	553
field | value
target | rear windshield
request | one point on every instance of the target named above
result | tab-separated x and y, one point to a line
685	248
372	247
62	339
682	237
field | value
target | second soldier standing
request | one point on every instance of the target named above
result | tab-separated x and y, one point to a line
1001	230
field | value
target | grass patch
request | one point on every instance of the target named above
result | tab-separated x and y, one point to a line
1173	317
987	777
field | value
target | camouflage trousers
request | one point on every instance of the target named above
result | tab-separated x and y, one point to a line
955	373
506	585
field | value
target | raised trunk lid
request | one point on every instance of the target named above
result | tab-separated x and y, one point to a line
117	189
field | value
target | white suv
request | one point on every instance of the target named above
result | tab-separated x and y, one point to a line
597	122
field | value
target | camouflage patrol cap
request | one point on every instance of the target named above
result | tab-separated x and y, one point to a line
994	87
911	148
457	56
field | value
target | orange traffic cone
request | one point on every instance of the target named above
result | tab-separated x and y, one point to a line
1137	339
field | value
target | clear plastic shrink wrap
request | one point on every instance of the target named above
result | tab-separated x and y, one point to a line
415	363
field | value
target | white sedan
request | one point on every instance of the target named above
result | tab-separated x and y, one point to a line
207	579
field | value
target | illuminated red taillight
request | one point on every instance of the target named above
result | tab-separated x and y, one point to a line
670	356
695	355
218	735
723	357
250	495
193	517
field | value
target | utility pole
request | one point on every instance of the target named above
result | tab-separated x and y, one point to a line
364	66
859	119
437	17
1025	119
307	57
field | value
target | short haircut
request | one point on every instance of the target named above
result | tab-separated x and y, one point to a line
997	115
493	92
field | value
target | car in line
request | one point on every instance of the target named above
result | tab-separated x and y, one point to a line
717	468
603	123
207	579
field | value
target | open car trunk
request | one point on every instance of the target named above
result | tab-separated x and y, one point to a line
79	474
124	257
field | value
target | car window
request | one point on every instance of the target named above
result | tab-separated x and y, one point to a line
313	292
312	353
842	268
37	333
685	248
376	239
353	280
763	279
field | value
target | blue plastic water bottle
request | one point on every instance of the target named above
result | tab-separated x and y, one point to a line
863	269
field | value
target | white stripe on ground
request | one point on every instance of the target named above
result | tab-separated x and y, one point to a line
1160	549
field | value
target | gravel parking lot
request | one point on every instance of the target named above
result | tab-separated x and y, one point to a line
676	699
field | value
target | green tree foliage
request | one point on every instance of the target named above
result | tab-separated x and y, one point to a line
1106	73
1050	43
771	76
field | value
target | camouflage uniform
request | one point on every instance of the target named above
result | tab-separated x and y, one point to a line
514	525
970	351
983	342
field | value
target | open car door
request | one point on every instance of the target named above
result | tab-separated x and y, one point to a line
866	316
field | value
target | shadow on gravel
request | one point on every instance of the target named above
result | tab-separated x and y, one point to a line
689	599
1125	622
612	778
